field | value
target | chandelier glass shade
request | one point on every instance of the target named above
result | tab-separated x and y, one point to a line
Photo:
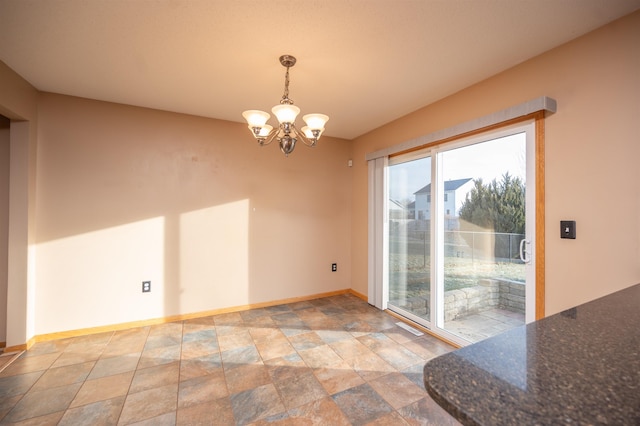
286	133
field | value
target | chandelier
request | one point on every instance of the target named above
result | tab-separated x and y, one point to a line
287	134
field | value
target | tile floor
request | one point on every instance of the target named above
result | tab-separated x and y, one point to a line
330	361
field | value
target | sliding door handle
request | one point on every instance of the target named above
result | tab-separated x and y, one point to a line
524	254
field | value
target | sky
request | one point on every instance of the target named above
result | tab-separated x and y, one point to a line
487	160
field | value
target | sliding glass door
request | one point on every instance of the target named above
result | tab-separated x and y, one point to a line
460	227
409	238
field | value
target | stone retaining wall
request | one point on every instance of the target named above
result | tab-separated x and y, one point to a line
489	293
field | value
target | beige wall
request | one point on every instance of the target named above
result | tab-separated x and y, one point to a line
592	148
4	223
128	194
18	102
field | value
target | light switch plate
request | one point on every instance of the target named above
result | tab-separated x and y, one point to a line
568	229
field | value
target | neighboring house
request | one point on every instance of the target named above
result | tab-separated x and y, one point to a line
455	192
397	210
411	210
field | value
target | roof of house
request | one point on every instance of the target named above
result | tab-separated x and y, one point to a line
396	205
449	185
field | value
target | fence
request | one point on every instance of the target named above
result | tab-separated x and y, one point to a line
411	238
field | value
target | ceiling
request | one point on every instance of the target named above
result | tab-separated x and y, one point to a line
362	62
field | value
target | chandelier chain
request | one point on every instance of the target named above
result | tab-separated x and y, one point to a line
285	97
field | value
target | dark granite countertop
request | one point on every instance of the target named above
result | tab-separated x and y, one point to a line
581	366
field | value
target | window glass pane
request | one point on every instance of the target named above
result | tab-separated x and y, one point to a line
484	222
409	236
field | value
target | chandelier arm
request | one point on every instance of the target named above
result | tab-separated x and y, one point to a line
270	137
311	142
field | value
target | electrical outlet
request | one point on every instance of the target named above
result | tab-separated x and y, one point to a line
334	267
146	286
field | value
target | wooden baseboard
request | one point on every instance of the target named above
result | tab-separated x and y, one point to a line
155	321
359	295
23	347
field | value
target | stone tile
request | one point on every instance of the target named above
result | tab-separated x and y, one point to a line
149	404
48	347
260	322
336	380
159	356
419	348
399	357
294	331
123	347
252	314
397	389
426	412
104	388
361	404
350	349
288	319
332	336
30	364
195	324
166	419
161	340
280	373
307	340
320	412
370	367
173	329
214	413
59	376
6	404
245	377
230	319
40	403
277	309
273	369
240	356
276	349
202	389
18	384
115	365
415	373
266	334
198	348
377	341
46	420
296	306
201	366
300	389
90	340
98	413
152	377
79	357
322	356
280	419
390	419
235	340
255	404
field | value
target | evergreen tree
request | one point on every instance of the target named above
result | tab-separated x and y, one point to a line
499	206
